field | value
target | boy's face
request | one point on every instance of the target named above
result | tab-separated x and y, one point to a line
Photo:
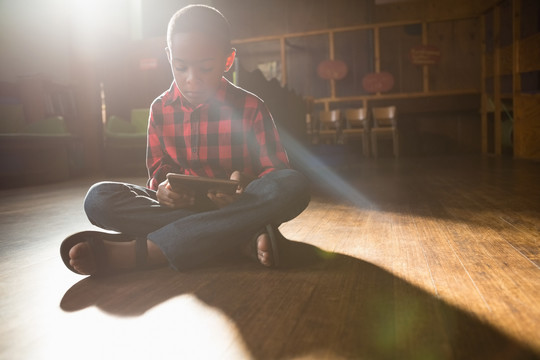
198	63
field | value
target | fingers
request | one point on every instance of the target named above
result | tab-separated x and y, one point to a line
243	180
221	199
236	175
172	199
181	200
177	201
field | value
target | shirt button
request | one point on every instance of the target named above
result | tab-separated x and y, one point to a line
194	151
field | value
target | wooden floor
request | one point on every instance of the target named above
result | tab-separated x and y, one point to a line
409	259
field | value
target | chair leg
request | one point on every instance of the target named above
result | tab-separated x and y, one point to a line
374	145
396	144
365	145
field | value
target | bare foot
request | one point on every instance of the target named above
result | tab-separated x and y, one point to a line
82	259
264	250
119	255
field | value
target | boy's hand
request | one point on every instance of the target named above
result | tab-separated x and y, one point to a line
243	180
221	199
174	200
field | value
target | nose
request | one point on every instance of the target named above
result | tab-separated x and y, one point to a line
192	76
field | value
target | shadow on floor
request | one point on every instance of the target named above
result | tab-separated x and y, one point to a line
328	304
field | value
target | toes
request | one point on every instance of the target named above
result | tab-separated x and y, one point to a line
79	251
81	259
263	243
80	267
264	250
265	258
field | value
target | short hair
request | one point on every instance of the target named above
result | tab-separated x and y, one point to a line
203	19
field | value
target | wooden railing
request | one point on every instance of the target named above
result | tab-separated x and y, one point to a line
366	98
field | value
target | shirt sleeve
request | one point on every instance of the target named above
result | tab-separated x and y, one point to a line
272	154
158	163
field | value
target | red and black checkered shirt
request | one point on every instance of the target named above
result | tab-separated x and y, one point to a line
232	131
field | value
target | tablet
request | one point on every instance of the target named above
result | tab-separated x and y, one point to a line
201	185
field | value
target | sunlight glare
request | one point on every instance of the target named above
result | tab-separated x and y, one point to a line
319	172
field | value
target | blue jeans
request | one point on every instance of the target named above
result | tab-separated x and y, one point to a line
189	238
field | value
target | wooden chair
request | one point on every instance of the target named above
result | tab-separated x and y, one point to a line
357	127
330	126
384	125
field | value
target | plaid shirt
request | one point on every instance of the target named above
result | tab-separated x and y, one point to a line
232	131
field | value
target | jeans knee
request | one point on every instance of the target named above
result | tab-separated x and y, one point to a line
293	186
96	201
294	183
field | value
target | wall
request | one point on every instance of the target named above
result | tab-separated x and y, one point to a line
34	39
388	11
277	17
42	36
62	42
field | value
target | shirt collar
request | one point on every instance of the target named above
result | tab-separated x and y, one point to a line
221	91
174	93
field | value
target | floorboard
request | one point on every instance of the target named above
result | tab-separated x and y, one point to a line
427	258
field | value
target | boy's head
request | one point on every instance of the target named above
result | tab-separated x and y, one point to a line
203	19
199	51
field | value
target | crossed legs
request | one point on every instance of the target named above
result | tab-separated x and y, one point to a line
183	238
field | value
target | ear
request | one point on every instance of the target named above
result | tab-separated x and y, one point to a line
230	60
168	51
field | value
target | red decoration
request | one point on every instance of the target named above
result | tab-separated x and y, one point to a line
378	82
425	55
332	70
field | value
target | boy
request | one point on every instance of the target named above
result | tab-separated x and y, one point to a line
203	126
